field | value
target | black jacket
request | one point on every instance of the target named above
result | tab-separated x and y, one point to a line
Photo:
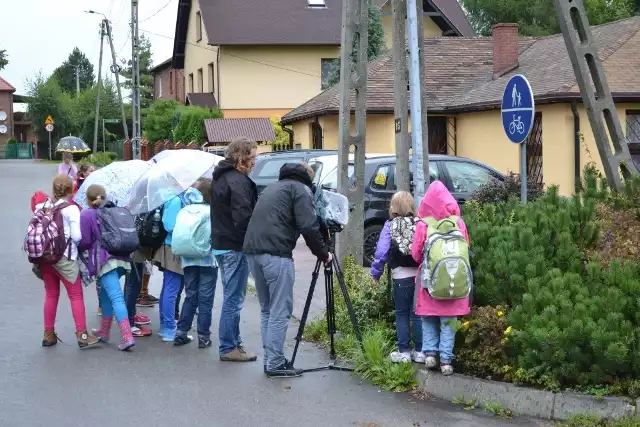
233	197
285	210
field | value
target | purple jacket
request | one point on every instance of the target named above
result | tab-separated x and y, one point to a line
91	234
382	252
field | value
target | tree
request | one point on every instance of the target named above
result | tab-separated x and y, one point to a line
66	73
146	79
46	97
539	18
375	48
190	123
159	120
4	61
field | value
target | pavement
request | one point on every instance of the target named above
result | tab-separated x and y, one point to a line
162	386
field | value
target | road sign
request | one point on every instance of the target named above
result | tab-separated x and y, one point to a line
49	121
49	127
518	109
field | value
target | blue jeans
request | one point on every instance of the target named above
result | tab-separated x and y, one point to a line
170	288
438	337
234	271
403	293
132	288
274	277
199	288
111	296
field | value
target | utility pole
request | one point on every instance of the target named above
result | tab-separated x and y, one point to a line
95	126
353	78
400	83
77	80
135	80
416	86
115	69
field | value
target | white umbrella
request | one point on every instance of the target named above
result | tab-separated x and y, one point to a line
169	177
117	178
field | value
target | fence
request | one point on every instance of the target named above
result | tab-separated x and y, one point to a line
19	150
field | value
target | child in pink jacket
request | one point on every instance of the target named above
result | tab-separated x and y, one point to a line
438	336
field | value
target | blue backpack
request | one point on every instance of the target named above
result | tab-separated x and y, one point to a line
192	233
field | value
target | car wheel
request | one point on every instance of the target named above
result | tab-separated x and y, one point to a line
371	236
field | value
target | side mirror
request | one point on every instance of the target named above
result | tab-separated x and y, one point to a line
326	187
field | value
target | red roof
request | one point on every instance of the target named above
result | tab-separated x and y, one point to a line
5	86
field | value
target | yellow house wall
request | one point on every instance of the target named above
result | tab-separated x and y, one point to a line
198	54
430	27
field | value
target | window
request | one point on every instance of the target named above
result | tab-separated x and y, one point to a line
190	82
633	126
381	178
200	81
211	78
271	168
433	175
328	67
467	177
331	180
198	26
171	82
159	86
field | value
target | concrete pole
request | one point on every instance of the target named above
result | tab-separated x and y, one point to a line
135	77
423	92
77	80
400	82
115	69
95	126
353	77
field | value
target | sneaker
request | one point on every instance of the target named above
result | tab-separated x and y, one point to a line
398	357
141	332
204	342
182	340
430	362
50	338
418	356
446	369
284	371
99	311
144	301
141	319
153	299
238	354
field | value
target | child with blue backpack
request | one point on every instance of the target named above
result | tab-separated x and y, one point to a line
192	241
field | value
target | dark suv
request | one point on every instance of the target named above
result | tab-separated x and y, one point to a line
461	176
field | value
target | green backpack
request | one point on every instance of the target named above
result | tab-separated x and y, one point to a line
446	271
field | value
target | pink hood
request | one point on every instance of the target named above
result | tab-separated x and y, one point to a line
438	202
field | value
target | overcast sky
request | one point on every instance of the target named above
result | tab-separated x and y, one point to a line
40	34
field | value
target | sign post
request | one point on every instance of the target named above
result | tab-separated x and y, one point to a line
48	125
518	111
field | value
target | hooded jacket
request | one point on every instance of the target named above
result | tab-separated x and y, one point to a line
437	203
284	211
233	197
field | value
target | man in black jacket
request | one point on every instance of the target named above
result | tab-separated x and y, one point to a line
233	197
284	211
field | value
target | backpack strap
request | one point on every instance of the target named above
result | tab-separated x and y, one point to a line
453	220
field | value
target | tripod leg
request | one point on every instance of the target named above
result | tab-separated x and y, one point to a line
331	310
347	300
305	312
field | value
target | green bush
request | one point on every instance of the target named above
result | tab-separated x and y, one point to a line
583	420
12	141
189	123
158	123
501	191
100	159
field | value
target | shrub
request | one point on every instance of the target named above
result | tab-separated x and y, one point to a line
190	123
584	420
12	141
100	159
501	191
158	122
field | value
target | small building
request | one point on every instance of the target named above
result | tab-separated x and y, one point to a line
168	82
13	124
220	132
465	79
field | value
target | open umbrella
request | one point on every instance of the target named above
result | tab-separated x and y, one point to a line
72	144
117	179
169	177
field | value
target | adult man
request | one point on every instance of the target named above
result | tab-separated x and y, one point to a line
284	211
233	197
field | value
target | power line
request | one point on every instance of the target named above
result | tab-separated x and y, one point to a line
157	12
125	42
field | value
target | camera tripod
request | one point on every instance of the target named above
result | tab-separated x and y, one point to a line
330	314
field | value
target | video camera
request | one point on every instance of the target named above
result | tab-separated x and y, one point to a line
332	210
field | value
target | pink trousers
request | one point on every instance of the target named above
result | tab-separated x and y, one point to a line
52	281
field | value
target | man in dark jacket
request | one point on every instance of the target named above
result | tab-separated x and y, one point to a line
284	211
233	197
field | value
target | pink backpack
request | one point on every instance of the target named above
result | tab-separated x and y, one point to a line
45	242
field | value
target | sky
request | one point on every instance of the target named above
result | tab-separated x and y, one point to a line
40	34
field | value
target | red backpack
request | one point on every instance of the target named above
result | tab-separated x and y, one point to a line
45	242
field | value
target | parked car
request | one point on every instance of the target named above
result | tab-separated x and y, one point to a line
461	176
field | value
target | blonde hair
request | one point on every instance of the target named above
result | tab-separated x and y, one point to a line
402	204
96	194
62	187
309	170
67	156
239	151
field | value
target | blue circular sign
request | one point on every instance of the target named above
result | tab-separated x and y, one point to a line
518	109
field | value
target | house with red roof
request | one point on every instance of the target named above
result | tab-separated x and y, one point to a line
13	124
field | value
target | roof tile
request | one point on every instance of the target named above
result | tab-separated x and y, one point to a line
226	130
5	86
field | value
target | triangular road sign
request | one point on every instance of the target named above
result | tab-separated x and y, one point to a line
49	120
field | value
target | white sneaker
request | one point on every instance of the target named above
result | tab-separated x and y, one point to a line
446	370
430	362
397	357
418	356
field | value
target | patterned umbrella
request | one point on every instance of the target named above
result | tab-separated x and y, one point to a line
117	178
72	144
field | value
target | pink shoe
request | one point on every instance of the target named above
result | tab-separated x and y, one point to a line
141	319
105	329
127	337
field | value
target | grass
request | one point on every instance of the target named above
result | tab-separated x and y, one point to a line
585	420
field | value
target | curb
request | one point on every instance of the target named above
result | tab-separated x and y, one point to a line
524	400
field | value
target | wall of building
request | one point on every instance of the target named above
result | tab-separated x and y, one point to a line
172	83
430	28
6	105
199	55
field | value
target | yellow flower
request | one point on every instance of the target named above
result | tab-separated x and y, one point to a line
504	340
465	324
507	331
500	313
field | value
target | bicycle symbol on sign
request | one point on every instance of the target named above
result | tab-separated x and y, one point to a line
516	125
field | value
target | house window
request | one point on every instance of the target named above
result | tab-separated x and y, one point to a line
211	78
190	82
328	66
633	126
159	86
171	82
198	26
200	82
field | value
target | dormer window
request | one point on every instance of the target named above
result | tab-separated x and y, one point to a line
316	4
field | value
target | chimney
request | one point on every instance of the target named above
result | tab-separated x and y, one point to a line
505	48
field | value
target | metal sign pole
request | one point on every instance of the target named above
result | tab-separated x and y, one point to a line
523	172
50	158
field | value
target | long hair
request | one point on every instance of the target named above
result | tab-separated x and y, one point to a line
96	194
62	187
239	154
203	185
402	204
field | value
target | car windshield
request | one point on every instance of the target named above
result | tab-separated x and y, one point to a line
270	168
331	180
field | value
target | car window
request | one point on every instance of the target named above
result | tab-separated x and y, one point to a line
317	170
468	177
382	178
433	172
270	168
331	181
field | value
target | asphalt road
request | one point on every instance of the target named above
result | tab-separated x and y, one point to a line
159	385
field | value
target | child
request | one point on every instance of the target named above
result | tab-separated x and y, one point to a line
67	167
108	269
200	275
403	270
85	170
438	335
65	271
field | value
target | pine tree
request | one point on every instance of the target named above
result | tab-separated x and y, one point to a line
146	78
65	74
